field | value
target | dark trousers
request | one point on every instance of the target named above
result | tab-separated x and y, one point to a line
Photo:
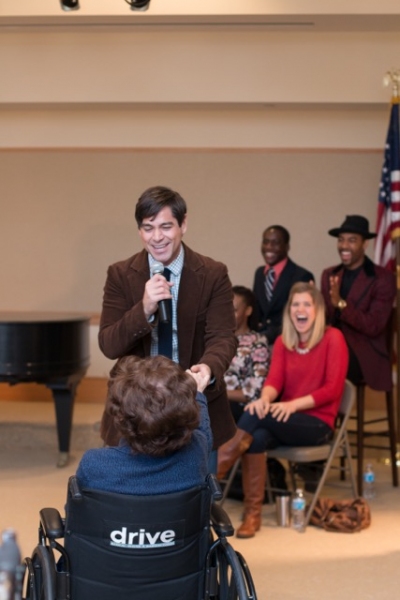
299	430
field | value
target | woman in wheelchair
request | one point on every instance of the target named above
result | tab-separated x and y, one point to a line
300	398
163	420
142	519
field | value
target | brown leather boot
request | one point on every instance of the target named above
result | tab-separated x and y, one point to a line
254	474
229	452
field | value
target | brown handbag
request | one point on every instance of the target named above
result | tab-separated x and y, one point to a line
345	516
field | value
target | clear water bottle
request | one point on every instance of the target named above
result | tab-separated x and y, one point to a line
369	482
10	571
299	511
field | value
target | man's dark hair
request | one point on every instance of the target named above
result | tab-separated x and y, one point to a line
155	199
153	404
284	232
250	300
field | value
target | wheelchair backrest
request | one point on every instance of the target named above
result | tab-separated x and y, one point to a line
149	547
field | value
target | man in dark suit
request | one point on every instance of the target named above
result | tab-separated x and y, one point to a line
359	298
202	335
272	283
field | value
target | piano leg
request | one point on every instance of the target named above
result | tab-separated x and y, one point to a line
64	396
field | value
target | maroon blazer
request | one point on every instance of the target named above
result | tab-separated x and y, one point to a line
206	325
364	320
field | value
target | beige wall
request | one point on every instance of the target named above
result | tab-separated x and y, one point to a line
258	114
184	87
188	65
67	215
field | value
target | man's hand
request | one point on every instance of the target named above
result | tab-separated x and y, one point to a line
203	371
200	378
157	288
334	290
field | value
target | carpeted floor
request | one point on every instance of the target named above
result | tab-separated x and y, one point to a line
286	565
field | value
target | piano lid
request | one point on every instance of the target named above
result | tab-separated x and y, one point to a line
9	316
40	346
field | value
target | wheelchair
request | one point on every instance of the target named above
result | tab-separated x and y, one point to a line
117	546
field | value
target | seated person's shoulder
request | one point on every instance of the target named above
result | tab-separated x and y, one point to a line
385	283
327	271
306	275
96	456
298	273
384	274
334	336
89	464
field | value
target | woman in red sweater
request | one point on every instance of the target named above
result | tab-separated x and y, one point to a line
299	401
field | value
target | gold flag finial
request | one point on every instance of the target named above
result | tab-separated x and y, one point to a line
393	77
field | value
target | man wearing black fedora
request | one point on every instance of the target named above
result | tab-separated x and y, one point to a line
359	298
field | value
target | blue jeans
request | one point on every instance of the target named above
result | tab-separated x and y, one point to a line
299	430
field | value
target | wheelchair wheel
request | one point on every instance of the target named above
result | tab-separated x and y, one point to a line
247	576
231	583
40	577
28	584
233	579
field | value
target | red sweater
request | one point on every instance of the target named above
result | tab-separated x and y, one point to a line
321	373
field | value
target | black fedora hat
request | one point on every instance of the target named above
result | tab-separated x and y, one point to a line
354	224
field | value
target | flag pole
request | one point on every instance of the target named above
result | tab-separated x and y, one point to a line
396	324
392	78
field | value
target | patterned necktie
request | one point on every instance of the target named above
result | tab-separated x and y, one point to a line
165	329
269	283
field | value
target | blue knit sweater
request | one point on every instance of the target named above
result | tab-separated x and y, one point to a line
117	469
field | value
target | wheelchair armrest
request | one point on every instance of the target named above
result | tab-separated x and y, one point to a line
215	488
73	489
52	524
220	521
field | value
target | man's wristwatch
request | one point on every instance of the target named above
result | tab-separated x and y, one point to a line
341	304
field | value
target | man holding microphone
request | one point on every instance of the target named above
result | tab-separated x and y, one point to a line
170	300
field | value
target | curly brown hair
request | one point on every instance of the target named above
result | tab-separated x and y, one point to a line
153	404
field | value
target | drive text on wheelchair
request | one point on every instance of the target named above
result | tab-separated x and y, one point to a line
141	537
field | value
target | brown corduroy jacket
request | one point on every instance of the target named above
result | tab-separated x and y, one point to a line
206	326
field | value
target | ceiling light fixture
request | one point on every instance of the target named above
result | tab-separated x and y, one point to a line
138	4
69	4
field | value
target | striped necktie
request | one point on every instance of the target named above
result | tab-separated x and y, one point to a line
269	283
165	329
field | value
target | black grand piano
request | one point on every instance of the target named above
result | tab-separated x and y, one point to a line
52	349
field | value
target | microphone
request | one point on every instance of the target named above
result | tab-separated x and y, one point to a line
157	268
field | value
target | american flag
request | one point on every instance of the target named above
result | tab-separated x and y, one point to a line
388	220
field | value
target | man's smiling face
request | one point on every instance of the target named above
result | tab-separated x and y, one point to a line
273	246
162	236
351	248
